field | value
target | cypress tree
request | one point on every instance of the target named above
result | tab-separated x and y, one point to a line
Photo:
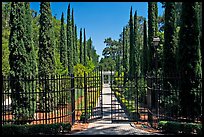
151	33
126	50
124	60
76	44
46	57
169	67
156	19
32	63
81	48
63	46
85	62
89	45
136	48
29	42
69	41
145	50
125	55
189	66
132	53
20	63
46	45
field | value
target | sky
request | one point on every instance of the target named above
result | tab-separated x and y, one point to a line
100	19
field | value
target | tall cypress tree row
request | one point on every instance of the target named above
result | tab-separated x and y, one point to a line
81	47
169	67
76	46
145	50
151	33
20	63
69	41
85	62
63	46
132	52
46	45
189	65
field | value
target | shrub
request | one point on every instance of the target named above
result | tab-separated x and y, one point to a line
178	127
35	129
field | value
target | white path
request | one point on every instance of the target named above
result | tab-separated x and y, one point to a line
104	126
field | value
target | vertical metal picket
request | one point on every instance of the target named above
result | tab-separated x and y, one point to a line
101	88
73	98
85	96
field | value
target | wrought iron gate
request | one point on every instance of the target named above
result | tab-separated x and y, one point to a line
88	92
128	98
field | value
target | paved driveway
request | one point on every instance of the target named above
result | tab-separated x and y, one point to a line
104	126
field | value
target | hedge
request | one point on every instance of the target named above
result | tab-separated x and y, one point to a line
53	129
180	127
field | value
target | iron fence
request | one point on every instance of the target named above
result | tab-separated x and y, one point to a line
51	99
42	100
151	99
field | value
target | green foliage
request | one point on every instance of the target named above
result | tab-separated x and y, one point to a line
60	69
5	52
189	59
90	66
22	61
145	51
69	42
5	38
169	67
89	46
81	48
136	48
76	47
118	78
79	70
40	129
180	128
85	48
46	53
46	46
132	48
107	63
63	46
152	32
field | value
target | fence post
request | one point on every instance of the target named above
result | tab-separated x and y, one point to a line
111	96
137	98
101	87
85	97
73	98
149	99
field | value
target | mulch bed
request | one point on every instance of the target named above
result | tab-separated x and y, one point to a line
56	116
146	127
79	126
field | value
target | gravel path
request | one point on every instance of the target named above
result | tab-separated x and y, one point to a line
104	126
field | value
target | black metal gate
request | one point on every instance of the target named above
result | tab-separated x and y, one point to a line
88	95
123	103
128	98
